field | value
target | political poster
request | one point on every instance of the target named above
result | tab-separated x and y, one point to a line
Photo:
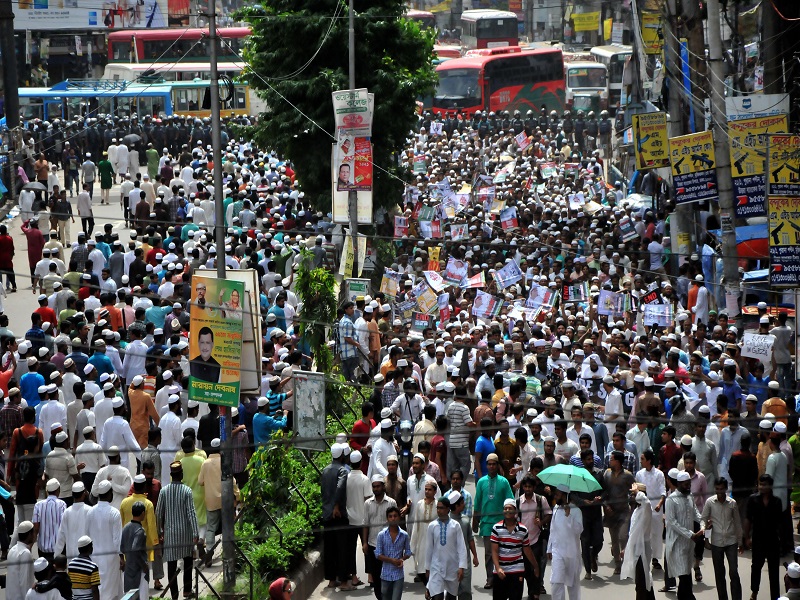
627	231
539	296
215	345
651	29
576	292
433	258
455	271
657	314
434	279
444	309
437	128
508	218
548	170
426	301
508	275
389	282
430	229
650	140
784	165
589	21
458	231
425	212
420	321
353	111
353	163
522	139
784	240
400	227
476	281
486	306
758	346
748	145
610	304
420	166
693	167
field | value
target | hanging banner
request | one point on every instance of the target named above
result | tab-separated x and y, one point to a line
617	32
748	157
508	275
215	345
352	110
341	201
651	27
586	21
650	140
486	306
756	106
693	167
353	163
608	26
784	241
784	165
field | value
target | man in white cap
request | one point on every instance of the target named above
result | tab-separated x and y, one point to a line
117	433
210	478
52	411
117	476
20	578
74	523
105	530
447	559
60	464
680	513
564	547
47	515
382	449
333	484
91	455
374	521
170	432
359	490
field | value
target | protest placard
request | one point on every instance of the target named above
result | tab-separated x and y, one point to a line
758	346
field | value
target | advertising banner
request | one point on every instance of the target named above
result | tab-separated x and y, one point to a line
352	111
85	14
586	21
784	165
651	26
784	241
693	167
748	145
215	345
353	164
650	140
756	105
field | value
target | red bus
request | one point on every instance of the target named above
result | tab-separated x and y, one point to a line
172	45
486	28
426	20
506	79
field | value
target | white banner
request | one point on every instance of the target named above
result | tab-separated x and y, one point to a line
758	346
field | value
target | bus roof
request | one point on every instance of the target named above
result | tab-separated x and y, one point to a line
412	13
180	67
487	13
130	91
476	62
613	50
585	64
175	33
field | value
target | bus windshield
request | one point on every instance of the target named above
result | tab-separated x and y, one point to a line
497	28
459	84
584	77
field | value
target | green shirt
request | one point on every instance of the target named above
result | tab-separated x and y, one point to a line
490	493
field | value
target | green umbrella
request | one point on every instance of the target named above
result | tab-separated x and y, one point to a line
577	479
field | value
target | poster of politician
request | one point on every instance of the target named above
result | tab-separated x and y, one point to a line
215	343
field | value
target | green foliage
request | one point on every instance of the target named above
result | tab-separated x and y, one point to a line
300	47
315	288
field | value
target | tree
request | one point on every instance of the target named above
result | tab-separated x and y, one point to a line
300	49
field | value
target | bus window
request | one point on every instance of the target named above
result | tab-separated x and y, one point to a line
616	67
122	51
459	84
31	108
239	99
586	78
497	28
123	107
53	109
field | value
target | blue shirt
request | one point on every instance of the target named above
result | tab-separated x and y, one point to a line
102	363
275	400
29	387
485	446
400	547
732	392
264	425
759	388
280	316
157	314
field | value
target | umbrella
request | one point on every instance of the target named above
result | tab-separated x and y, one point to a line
131	138
35	186
577	479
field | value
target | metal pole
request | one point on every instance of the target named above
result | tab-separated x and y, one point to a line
727	204
9	53
352	195
226	450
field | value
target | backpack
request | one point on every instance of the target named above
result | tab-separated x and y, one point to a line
27	466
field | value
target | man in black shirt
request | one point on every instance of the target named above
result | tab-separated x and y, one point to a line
762	533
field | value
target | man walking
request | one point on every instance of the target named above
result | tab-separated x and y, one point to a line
681	513
105	530
446	559
564	548
721	517
491	492
374	519
393	548
636	563
762	529
509	541
177	525
333	484
617	483
134	547
656	490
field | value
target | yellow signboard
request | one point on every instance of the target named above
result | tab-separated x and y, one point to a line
650	140
586	21
784	221
748	143
651	25
608	25
784	161
692	153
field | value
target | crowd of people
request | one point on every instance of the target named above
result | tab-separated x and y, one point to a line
533	318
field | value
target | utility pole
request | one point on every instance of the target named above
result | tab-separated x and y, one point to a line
9	52
226	450
772	49
727	210
352	195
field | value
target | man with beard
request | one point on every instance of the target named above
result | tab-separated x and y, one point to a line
681	513
563	549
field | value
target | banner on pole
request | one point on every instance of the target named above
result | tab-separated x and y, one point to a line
650	140
693	167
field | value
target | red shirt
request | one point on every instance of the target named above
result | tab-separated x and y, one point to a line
668	457
360	435
48	315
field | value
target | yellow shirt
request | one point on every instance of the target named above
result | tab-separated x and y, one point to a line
149	522
211	479
498	395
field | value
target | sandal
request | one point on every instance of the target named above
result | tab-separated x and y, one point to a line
158	585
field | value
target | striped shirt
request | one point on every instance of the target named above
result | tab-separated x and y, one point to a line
347	329
511	544
458	416
400	547
84	575
48	513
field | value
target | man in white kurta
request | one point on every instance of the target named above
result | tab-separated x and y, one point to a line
19	578
74	523
117	476
638	547
680	513
656	490
446	559
415	488
564	548
105	529
171	435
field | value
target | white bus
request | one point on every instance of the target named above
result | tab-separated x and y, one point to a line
614	58
585	80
